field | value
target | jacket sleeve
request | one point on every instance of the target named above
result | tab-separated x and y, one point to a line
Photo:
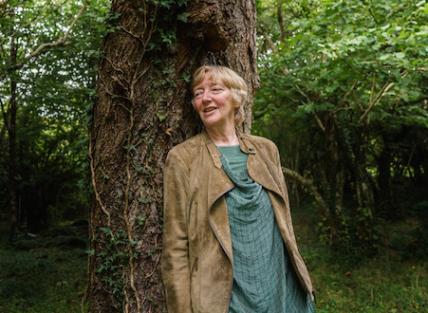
175	253
284	191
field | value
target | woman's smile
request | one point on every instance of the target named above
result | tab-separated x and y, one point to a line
209	109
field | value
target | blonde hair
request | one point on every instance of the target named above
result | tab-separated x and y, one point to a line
231	80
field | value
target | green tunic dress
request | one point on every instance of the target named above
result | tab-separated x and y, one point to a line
263	279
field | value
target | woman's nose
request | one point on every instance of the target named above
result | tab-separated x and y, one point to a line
206	96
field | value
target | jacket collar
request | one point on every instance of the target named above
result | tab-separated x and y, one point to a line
257	168
245	145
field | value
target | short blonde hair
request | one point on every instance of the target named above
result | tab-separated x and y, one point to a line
231	80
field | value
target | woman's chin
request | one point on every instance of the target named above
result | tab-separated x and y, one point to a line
217	121
211	121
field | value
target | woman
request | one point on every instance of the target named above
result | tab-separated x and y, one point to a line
229	244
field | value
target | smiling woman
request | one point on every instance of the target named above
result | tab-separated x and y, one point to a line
229	244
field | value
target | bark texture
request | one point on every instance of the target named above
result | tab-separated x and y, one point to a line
143	109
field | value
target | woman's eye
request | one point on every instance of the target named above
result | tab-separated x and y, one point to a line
217	90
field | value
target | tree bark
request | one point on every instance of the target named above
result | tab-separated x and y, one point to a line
143	108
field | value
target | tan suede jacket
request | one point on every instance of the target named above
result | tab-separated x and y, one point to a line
197	248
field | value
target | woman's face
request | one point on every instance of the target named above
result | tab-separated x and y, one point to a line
213	102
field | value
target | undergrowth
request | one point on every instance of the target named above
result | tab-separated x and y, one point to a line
38	277
393	281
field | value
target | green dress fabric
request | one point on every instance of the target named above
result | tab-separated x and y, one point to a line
263	279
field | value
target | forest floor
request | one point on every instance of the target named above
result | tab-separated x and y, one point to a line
47	274
394	281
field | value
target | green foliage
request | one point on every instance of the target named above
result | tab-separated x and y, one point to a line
111	261
163	39
344	96
113	258
329	52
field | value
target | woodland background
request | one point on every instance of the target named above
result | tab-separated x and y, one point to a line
343	93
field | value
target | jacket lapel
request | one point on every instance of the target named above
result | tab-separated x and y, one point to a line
218	184
257	168
259	172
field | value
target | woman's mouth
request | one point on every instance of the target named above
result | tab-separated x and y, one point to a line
210	109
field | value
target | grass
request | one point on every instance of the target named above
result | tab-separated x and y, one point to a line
47	276
378	285
41	278
392	282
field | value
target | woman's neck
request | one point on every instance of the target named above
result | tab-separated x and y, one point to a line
226	137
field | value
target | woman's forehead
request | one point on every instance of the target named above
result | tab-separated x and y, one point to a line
210	79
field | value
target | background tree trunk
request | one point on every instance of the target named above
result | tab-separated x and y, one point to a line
143	109
13	194
384	195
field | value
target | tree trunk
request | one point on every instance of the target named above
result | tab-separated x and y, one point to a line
385	204
364	194
332	219
362	214
12	144
143	109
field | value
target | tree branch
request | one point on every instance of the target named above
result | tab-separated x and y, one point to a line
310	187
259	114
5	117
372	103
44	47
349	91
319	122
267	41
280	21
